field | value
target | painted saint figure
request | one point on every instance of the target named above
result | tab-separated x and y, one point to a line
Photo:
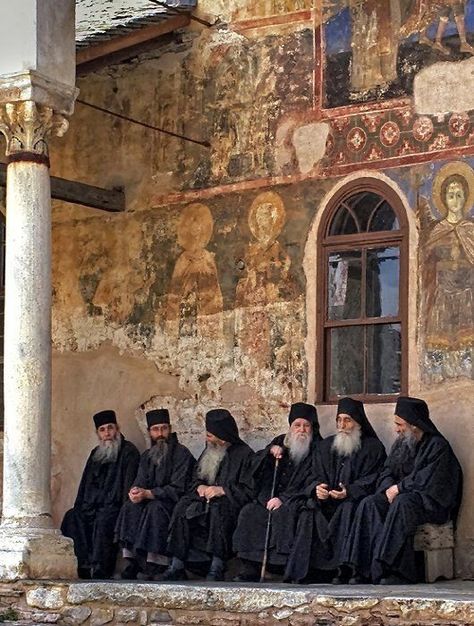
449	261
267	266
194	290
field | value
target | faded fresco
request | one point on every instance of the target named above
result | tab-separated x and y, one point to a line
447	250
374	49
194	290
266	8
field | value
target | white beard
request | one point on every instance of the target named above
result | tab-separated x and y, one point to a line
345	444
210	462
158	451
107	451
298	446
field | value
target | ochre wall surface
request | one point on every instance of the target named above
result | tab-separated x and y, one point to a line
193	298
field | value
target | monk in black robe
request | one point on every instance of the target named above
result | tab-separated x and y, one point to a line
204	520
107	477
293	450
164	475
345	470
421	482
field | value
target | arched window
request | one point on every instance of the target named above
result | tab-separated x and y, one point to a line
362	295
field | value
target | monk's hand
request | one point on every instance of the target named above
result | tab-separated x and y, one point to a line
135	494
277	452
322	492
274	504
339	494
202	490
214	492
148	494
391	493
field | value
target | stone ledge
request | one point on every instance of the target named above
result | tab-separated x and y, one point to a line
226	604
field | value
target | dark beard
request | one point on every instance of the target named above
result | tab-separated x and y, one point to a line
402	455
107	451
158	451
210	462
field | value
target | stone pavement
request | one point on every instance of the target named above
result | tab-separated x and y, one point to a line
225	604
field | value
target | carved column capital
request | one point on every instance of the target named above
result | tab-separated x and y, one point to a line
27	126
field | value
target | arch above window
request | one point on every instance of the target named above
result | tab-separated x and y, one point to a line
363	289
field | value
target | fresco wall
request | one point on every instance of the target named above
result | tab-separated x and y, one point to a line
204	291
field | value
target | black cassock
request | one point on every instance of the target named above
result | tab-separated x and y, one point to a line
201	530
381	540
102	491
249	536
144	526
323	525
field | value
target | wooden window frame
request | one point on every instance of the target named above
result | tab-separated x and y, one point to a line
326	244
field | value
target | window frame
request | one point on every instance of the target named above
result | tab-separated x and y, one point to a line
332	243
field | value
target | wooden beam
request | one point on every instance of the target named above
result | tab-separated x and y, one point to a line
167	25
72	191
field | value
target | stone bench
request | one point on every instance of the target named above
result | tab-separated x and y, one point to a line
436	541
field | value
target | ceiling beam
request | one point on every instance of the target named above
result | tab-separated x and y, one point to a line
112	200
136	37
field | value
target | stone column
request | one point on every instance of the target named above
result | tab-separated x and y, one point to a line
33	107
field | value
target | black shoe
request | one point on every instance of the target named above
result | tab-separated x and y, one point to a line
172	573
151	572
357	579
393	579
99	574
84	573
215	573
130	571
246	577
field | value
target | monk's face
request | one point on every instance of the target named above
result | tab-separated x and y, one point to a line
401	426
345	423
215	441
159	432
108	432
301	428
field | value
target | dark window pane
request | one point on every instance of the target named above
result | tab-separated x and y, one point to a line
384	346
344	285
384	218
343	223
347	360
363	205
383	275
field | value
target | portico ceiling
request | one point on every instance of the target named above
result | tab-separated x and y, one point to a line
98	21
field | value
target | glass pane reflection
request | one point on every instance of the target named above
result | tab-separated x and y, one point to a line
384	345
344	285
383	275
347	360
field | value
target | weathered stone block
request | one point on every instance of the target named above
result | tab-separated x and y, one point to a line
126	615
76	615
45	598
160	617
101	616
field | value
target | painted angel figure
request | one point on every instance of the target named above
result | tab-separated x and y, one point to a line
448	254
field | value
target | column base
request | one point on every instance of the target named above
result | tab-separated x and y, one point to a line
36	554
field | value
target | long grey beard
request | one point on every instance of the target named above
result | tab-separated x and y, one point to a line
298	446
210	462
158	451
345	444
107	451
403	452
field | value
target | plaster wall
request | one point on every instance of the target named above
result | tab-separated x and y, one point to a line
156	306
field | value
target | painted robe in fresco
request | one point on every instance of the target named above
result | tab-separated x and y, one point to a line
323	525
449	284
201	530
90	523
143	526
381	538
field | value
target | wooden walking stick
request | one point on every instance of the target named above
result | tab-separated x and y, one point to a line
269	523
